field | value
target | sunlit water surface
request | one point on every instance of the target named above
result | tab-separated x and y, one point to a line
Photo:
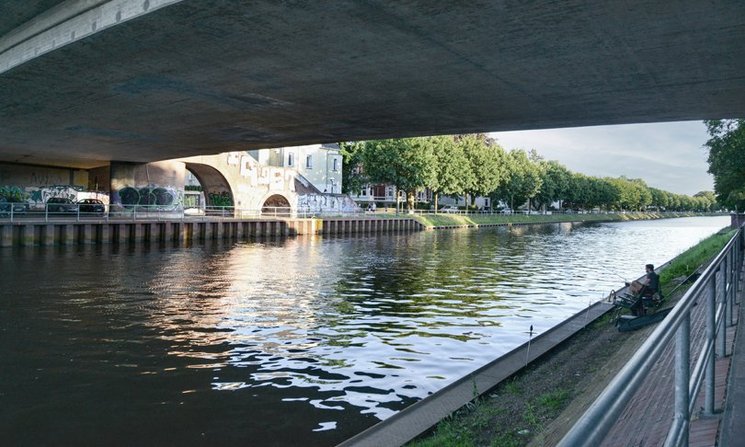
302	341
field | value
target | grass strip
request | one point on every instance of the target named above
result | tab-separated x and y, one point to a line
445	220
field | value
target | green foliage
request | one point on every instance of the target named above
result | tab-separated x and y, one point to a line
222	199
523	179
475	165
486	164
554	401
407	163
352	173
452	173
690	260
555	183
12	194
727	160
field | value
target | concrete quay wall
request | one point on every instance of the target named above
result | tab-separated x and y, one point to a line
35	233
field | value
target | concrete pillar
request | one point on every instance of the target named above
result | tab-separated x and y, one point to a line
68	234
187	231
46	233
125	233
172	230
86	234
135	232
105	236
6	235
198	231
151	232
28	238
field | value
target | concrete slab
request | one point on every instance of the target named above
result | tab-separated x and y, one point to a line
266	73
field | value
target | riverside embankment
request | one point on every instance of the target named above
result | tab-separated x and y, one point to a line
445	221
60	230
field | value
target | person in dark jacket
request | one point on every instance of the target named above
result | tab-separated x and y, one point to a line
647	287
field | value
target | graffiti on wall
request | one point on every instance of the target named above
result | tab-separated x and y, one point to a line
40	196
275	178
37	197
161	197
324	203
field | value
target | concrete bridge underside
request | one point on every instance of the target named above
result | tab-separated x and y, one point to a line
87	81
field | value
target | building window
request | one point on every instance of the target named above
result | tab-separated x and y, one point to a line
309	162
336	165
291	159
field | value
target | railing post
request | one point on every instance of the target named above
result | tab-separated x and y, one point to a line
711	330
721	339
732	286
678	435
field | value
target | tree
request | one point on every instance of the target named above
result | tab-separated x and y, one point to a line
485	162
727	160
452	173
555	183
709	200
352	171
407	163
522	181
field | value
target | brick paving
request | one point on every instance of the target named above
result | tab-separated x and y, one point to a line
648	416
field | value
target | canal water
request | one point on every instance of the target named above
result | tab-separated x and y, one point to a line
301	341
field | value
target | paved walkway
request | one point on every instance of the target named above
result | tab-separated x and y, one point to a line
733	428
647	418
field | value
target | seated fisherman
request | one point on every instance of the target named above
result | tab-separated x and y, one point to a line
649	285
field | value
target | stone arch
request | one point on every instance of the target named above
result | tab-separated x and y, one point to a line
216	188
277	205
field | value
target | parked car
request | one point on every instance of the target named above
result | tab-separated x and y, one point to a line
92	206
450	209
61	205
17	207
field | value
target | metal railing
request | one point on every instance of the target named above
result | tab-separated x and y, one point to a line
717	287
54	211
82	212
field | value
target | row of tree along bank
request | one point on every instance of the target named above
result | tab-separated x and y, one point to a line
475	165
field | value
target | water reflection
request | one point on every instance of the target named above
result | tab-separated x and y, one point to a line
319	336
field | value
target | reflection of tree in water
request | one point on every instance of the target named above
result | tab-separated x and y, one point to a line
460	274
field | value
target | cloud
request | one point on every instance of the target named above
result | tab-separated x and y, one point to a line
668	156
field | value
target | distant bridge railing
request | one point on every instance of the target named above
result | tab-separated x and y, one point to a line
100	211
95	212
717	289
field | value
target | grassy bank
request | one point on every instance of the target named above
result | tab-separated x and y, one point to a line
518	411
441	220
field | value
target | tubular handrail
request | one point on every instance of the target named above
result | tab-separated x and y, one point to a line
597	421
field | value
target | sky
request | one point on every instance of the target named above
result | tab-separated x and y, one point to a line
668	156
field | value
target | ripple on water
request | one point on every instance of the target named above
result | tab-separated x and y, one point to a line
303	330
